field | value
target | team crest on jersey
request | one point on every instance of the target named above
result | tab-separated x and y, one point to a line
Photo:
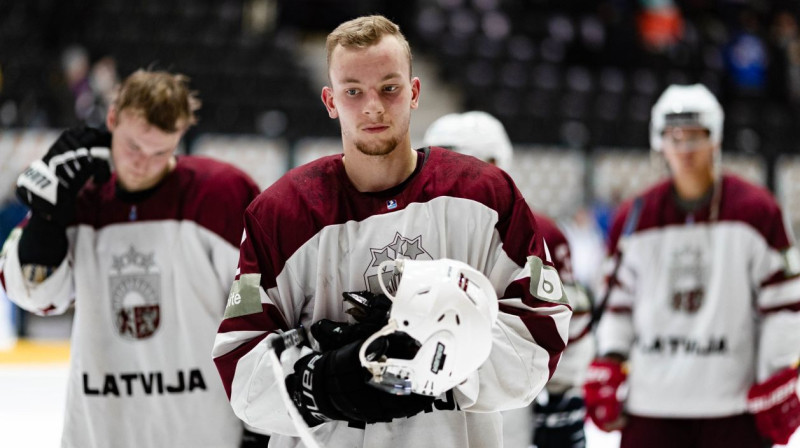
687	279
400	247
135	286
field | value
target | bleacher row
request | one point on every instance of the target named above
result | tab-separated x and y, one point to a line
555	181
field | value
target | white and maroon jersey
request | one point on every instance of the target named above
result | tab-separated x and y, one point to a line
703	308
149	279
580	347
313	235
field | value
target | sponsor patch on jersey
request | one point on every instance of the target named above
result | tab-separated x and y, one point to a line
545	282
245	296
791	261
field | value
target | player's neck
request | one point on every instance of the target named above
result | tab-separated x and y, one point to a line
377	173
690	187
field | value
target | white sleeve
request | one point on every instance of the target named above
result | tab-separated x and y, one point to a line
529	336
615	331
52	296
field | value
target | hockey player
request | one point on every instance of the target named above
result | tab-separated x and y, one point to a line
328	227
146	254
702	319
559	413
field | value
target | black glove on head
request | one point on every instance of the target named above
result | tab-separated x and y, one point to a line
50	185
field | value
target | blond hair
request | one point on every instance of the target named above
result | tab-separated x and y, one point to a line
162	98
363	32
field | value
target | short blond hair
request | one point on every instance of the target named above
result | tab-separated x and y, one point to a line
162	98
363	32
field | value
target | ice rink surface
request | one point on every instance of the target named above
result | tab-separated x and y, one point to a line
32	409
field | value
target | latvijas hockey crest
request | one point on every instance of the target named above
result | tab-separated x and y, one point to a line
135	287
688	275
400	247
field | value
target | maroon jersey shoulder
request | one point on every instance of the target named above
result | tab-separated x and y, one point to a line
754	205
319	194
211	193
216	195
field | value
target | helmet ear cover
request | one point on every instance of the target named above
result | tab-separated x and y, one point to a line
447	309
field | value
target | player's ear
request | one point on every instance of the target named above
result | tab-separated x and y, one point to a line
111	118
327	100
415	86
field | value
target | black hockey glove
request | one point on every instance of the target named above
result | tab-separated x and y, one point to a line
368	307
559	422
50	185
371	312
334	386
251	439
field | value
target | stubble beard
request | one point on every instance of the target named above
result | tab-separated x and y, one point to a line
378	149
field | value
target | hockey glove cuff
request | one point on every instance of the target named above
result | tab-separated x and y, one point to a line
775	405
603	380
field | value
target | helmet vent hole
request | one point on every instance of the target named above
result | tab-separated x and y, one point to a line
440	318
458	320
405	323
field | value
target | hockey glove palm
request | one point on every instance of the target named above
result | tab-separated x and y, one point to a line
776	406
559	421
603	379
334	386
50	185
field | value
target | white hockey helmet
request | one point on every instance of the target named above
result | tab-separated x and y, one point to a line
449	309
686	105
474	133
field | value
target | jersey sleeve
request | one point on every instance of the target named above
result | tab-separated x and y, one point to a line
532	326
254	311
53	295
580	346
776	278
615	330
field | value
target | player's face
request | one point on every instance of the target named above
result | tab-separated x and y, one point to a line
372	94
689	151
142	154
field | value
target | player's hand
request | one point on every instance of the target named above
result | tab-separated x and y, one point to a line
775	405
559	421
600	391
334	386
50	185
371	312
368	307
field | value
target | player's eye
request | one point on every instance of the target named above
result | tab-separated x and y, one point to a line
351	92
390	88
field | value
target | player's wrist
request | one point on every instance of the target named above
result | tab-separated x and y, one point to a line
43	242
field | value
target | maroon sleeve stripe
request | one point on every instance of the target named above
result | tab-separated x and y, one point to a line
520	289
619	309
778	278
544	332
226	364
786	307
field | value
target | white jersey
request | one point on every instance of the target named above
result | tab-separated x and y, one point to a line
703	307
149	278
312	236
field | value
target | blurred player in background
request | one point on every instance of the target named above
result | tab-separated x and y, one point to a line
559	413
325	228
702	318
146	253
